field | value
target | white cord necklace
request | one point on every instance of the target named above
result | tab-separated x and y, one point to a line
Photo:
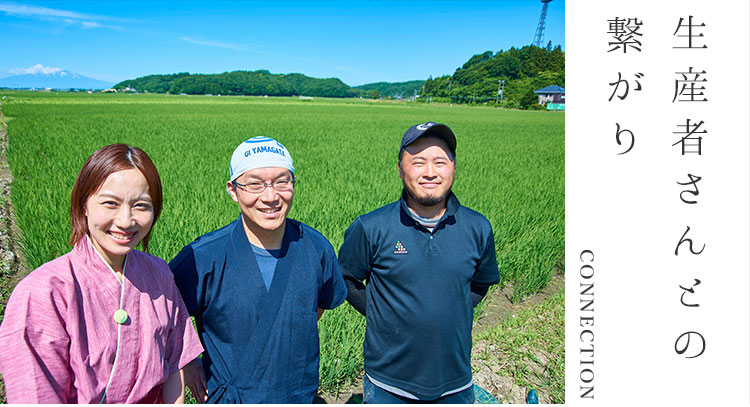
120	316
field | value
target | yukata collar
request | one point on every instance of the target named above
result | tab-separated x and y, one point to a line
242	243
85	251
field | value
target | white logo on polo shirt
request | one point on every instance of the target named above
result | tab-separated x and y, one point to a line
400	249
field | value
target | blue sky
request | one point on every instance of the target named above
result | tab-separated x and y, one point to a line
357	41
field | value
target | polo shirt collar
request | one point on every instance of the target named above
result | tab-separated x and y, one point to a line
451	205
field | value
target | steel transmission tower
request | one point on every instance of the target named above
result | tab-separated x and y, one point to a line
539	36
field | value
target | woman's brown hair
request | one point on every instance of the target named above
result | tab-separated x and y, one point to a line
105	161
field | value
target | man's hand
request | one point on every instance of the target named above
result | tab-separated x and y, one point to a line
195	380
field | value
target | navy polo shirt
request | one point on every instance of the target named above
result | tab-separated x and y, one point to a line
419	310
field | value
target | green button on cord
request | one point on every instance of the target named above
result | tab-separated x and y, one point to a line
121	316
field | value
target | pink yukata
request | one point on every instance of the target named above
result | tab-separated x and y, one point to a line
58	340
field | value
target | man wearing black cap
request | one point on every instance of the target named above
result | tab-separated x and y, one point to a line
427	261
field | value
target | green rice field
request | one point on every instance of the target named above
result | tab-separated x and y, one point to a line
510	167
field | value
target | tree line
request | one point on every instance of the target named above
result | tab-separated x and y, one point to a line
522	70
257	83
516	72
403	90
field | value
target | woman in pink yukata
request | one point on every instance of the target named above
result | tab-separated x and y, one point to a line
104	322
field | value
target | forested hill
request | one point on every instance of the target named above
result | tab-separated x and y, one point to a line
521	70
391	89
260	82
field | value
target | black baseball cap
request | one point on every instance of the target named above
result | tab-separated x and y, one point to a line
439	130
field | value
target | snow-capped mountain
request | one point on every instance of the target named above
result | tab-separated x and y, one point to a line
58	79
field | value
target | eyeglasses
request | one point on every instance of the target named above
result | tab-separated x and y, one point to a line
282	185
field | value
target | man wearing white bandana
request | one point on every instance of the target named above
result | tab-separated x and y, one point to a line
257	287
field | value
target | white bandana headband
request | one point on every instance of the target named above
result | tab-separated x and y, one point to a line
259	152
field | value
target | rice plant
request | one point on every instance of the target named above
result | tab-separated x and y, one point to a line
510	167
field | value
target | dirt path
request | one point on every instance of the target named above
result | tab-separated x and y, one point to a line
498	306
12	262
487	357
8	263
497	309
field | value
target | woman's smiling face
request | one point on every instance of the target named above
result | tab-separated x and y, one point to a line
119	215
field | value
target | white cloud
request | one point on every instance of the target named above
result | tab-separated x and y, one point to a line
36	69
86	21
90	24
24	10
238	47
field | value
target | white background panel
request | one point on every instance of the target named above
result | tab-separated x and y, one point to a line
627	208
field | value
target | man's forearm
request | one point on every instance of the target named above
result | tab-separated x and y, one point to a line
357	296
477	293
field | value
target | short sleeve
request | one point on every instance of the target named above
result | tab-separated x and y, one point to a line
35	359
333	290
355	253
487	272
183	344
185	271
